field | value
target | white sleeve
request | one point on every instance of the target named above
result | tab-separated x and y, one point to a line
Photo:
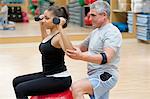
113	39
86	41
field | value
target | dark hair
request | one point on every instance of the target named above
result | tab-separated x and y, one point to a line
60	12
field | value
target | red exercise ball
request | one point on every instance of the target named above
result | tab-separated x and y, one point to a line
87	2
24	14
37	11
25	19
35	2
62	95
86	20
91	1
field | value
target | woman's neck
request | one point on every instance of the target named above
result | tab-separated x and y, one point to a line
53	30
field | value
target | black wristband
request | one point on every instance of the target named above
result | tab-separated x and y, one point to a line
104	58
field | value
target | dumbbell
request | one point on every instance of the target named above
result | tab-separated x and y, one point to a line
55	20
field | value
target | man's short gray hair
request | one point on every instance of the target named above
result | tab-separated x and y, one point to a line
100	6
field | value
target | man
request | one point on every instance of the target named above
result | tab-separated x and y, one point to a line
101	50
4	14
6	25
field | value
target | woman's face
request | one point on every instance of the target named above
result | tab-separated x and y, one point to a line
48	19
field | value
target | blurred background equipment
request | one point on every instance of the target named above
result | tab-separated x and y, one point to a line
15	12
38	7
5	24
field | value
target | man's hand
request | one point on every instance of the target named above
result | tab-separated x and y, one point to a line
74	54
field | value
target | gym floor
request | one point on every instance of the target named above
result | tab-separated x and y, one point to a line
23	58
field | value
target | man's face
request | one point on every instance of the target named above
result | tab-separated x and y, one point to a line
97	18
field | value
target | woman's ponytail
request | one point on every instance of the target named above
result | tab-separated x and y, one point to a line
65	15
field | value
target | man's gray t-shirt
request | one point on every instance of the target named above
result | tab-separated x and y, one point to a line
107	36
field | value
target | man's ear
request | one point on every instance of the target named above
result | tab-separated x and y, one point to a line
105	14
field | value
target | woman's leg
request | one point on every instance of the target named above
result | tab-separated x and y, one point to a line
27	77
24	78
43	85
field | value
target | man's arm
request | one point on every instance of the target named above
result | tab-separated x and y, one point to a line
97	58
84	45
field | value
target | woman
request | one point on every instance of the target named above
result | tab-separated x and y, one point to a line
54	77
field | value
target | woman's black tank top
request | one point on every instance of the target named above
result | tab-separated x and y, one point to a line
52	58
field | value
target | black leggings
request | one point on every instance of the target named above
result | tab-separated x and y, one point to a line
39	84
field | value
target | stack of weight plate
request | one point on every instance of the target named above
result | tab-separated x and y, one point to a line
12	1
130	22
75	13
143	26
44	5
